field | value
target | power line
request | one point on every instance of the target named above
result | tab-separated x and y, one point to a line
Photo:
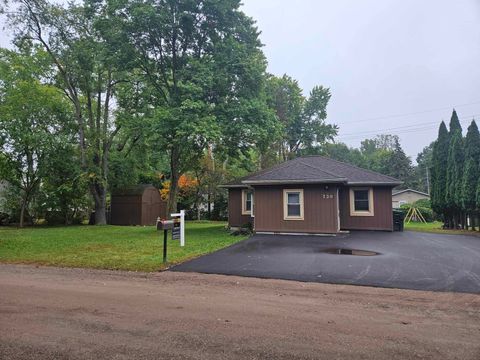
412	127
407	114
407	131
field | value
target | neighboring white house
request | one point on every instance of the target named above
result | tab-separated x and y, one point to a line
407	196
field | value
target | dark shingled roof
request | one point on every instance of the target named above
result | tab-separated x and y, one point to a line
314	169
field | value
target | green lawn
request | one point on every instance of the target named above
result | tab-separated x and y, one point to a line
436	227
109	247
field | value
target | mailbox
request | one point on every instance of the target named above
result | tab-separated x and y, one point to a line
165	224
177	226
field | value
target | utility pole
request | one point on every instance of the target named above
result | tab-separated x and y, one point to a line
428	182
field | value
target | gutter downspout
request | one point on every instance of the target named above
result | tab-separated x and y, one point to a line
338	211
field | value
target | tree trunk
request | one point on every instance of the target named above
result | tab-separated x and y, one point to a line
174	176
100	212
455	221
198	203
22	213
65	214
99	194
209	205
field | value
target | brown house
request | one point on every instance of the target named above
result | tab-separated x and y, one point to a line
137	205
312	194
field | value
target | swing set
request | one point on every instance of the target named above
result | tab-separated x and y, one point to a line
414	214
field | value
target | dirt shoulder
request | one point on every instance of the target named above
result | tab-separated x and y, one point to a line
88	314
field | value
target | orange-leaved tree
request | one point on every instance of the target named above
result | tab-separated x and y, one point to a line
187	188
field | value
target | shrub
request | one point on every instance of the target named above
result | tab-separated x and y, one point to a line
423	203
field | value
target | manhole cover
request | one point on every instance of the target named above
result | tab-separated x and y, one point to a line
341	251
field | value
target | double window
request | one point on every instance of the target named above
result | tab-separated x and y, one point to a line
247	202
361	202
293	204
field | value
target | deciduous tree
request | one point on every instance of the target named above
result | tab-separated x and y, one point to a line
86	73
302	118
34	122
203	68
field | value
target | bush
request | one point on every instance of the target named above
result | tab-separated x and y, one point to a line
423	203
5	219
427	213
245	229
55	218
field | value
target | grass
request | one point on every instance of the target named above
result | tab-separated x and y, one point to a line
109	247
436	227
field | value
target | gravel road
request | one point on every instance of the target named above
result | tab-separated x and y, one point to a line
53	313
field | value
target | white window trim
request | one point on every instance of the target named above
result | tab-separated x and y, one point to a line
244	202
285	204
370	211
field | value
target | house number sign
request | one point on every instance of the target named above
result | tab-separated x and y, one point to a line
327	196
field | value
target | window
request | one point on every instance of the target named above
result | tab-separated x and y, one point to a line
293	204
247	202
361	202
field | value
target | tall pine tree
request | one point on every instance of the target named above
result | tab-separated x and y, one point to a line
455	123
453	195
439	171
478	196
471	172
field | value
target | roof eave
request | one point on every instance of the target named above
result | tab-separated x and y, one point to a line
233	186
385	183
281	182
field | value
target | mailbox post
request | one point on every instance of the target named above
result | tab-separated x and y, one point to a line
165	235
164	225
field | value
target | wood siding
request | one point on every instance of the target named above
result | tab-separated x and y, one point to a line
153	207
137	209
320	214
382	219
126	210
235	217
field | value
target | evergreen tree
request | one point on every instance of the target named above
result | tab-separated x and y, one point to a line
478	195
439	171
400	165
471	173
455	123
454	176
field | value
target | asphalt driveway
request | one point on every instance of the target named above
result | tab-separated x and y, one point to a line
407	260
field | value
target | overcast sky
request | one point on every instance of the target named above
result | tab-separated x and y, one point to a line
393	66
398	64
